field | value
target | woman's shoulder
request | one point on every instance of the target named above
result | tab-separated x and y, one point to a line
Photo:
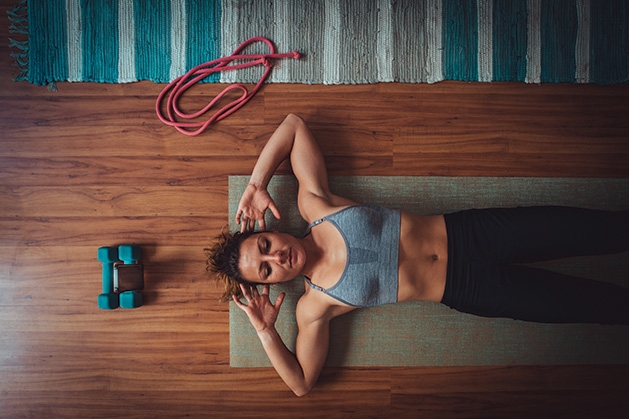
314	207
314	306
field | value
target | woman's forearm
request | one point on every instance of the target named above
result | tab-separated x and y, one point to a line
284	362
276	150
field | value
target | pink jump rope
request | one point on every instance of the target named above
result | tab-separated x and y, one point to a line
173	91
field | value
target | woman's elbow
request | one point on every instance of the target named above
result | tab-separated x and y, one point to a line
303	387
294	119
302	390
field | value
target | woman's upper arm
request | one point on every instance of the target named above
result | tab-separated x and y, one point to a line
309	168
311	349
313	339
307	160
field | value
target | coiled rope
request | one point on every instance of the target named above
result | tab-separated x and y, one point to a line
173	91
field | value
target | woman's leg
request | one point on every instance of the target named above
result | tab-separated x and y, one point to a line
483	244
531	234
539	295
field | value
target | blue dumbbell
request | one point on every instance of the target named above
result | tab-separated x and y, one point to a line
108	300
130	255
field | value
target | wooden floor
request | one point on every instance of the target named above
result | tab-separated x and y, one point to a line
91	165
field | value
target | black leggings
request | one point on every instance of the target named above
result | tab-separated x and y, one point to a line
485	246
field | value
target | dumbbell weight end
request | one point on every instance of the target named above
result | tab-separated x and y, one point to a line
108	300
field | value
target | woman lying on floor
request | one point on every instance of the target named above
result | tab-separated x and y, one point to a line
355	255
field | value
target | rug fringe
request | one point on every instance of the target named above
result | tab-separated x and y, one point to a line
18	18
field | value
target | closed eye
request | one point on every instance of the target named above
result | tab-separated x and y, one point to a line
264	246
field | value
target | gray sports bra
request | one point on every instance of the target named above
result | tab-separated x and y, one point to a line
372	238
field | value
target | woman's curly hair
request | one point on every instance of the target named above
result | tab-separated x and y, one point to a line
222	261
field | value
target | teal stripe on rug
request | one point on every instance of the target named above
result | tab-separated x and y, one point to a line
99	21
609	41
152	34
47	46
510	37
558	35
430	334
460	40
204	35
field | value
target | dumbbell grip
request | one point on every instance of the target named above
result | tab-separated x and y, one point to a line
108	278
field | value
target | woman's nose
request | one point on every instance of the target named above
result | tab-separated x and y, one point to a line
277	257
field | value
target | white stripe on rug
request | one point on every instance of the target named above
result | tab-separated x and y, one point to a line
230	35
283	35
434	61
485	40
178	36
332	43
126	42
582	47
534	41
384	54
75	40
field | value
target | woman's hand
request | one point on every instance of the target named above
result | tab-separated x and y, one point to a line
252	207
261	312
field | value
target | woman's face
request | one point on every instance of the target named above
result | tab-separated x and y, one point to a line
271	257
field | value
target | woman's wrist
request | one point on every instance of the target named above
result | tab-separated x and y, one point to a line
267	334
257	185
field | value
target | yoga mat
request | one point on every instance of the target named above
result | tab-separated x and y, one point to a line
343	41
430	334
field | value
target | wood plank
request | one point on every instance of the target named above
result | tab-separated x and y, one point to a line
513	164
518	392
225	403
436	380
101	231
160	170
107	201
53	352
147	138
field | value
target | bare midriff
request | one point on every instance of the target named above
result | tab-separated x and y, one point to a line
423	257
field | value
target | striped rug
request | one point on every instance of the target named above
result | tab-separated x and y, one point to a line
343	41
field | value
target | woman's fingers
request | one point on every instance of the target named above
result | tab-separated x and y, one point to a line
279	300
238	302
274	210
241	220
238	216
247	223
252	295
245	292
243	226
250	292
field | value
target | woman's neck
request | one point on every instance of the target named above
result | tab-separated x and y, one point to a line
314	256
